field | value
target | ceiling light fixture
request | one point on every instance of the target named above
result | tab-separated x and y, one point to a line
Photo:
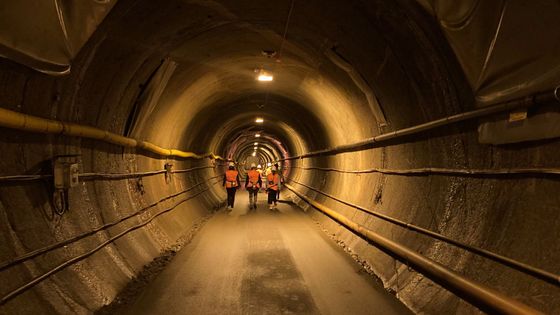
259	120
264	76
256	143
257	135
254	154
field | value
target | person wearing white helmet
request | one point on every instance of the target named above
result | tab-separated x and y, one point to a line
231	183
260	170
268	169
253	183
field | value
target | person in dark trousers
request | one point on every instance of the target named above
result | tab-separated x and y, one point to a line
253	183
272	181
231	183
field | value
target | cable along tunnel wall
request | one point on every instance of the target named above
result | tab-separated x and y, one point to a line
461	181
483	297
471	198
78	261
395	48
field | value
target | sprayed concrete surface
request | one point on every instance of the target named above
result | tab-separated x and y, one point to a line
264	263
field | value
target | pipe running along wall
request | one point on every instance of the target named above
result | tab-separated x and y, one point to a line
209	104
484	298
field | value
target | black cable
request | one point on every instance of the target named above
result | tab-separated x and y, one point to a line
16	178
95	175
506	261
536	99
286	26
442	171
78	237
76	259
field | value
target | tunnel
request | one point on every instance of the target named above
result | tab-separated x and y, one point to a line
417	137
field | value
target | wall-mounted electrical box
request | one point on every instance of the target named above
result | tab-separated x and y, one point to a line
168	172
65	173
65	176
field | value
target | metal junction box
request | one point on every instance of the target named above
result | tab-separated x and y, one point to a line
65	174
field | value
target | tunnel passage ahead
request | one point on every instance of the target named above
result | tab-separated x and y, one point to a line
264	262
182	75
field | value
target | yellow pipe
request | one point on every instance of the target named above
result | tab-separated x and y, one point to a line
18	121
483	297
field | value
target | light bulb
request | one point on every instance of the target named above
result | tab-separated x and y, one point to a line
264	76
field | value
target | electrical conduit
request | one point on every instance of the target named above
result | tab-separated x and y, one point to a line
23	122
479	295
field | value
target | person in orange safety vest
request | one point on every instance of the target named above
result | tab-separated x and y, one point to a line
231	183
253	183
272	182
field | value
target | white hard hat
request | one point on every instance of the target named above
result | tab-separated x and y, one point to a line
231	164
253	165
268	164
259	166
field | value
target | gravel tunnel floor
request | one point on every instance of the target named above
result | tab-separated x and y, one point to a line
264	262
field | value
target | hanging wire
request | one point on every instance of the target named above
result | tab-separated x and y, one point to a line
281	48
287	25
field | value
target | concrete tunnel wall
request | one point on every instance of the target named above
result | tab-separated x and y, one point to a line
210	102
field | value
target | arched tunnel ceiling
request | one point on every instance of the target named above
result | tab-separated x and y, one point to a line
499	43
211	86
196	59
216	125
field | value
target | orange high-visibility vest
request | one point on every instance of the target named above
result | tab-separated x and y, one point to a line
272	181
253	179
231	178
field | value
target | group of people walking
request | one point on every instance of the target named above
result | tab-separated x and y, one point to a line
253	184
